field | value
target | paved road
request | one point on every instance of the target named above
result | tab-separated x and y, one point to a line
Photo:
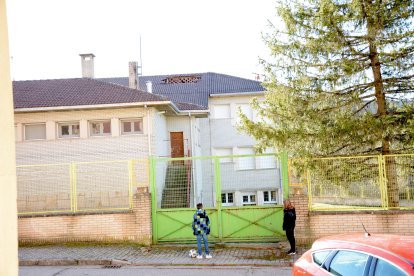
153	271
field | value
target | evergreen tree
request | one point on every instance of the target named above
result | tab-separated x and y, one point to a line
340	81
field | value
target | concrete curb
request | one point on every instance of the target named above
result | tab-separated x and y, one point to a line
72	262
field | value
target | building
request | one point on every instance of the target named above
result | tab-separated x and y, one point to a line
90	120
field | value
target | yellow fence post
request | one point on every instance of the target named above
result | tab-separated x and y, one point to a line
73	196
131	177
383	181
309	189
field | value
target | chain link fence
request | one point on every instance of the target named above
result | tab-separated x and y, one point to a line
355	183
79	187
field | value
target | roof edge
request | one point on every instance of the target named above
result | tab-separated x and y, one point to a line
237	94
98	106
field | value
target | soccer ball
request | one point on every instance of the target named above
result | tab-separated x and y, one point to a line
192	253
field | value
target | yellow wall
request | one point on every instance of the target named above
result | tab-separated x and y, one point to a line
8	194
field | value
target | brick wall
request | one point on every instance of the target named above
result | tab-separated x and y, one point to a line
313	225
132	225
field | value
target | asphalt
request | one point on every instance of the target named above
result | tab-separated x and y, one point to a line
266	254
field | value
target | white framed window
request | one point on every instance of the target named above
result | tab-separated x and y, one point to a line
221	111
100	128
35	132
248	199
68	130
131	126
227	199
223	152
248	162
269	197
266	162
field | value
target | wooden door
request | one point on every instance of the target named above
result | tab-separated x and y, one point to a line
177	144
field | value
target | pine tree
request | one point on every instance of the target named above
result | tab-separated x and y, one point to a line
340	81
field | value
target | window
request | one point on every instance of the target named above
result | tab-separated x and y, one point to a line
133	126
348	263
385	268
266	162
67	130
249	199
227	199
100	128
221	111
223	152
269	197
35	132
319	257
248	162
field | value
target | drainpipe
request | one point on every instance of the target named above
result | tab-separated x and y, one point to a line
193	171
149	128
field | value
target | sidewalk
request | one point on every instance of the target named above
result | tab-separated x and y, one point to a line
269	254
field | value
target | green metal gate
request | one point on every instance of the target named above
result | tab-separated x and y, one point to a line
175	189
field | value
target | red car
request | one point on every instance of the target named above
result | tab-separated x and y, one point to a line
358	254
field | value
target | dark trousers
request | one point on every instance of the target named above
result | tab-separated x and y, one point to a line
290	235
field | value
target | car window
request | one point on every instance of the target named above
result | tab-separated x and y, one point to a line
348	263
319	257
384	268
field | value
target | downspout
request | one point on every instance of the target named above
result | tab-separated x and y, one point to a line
191	164
149	131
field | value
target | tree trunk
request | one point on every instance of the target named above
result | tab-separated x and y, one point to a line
390	168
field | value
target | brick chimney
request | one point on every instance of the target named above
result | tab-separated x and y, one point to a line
133	75
87	65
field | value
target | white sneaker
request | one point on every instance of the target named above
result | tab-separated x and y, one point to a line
208	256
199	256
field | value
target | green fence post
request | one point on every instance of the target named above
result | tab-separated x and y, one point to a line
284	171
153	186
217	180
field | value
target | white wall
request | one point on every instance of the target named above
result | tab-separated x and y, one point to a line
83	148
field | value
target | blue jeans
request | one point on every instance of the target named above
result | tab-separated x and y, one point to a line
205	239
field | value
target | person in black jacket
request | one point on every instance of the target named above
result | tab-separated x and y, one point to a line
289	218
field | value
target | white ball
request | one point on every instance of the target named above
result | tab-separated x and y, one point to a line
192	253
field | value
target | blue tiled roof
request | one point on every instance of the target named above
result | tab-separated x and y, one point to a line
196	92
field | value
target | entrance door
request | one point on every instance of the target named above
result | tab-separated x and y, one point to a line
177	144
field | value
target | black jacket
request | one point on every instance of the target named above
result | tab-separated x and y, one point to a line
289	218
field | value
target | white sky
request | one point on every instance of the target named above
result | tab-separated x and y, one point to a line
177	36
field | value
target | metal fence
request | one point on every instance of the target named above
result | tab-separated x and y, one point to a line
79	187
236	180
357	182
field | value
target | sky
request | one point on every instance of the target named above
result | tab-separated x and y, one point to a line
176	36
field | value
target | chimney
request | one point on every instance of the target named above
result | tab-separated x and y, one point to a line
133	76
149	86
87	65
